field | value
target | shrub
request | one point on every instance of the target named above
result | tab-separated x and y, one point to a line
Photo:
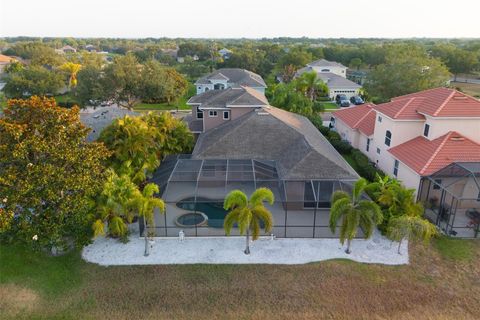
332	136
318	107
342	146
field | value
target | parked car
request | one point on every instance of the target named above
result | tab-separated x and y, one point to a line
344	103
356	100
340	97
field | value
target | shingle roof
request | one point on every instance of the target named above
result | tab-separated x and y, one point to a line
229	97
101	118
300	150
426	157
360	117
332	80
234	76
325	63
437	102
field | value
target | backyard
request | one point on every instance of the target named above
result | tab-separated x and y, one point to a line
442	282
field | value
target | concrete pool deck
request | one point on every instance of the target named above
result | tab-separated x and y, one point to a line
229	250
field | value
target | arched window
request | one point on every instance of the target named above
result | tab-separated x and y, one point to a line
206	89
388	137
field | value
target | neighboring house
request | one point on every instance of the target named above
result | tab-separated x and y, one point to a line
225	53
90	48
66	49
416	136
213	108
230	77
265	147
5	61
170	52
334	75
99	118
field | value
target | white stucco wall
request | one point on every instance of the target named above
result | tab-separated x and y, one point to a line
346	132
346	91
409	177
469	127
341	71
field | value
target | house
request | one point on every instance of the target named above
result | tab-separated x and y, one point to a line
66	49
170	52
215	107
5	61
225	53
334	76
90	48
99	118
415	137
230	77
264	147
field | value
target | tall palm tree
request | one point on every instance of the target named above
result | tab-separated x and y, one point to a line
311	85
410	227
248	213
354	213
72	69
146	203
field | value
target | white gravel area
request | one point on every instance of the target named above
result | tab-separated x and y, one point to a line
229	250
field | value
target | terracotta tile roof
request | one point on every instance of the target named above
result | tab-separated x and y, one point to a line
6	59
360	117
438	102
428	156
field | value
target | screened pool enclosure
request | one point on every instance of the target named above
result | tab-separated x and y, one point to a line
451	198
194	190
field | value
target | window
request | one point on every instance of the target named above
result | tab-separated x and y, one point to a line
388	138
379	119
218	86
395	168
206	89
212	113
426	129
199	113
478	197
199	88
436	185
378	150
226	115
368	144
325	70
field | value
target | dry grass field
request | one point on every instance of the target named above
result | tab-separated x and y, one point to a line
442	282
472	89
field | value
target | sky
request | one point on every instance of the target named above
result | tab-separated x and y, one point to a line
241	19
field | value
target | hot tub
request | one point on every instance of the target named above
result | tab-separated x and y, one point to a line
191	220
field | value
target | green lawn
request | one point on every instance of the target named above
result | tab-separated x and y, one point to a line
330	105
181	104
436	285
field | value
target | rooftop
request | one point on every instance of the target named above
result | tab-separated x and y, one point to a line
429	156
101	118
232	96
239	77
299	150
437	102
332	80
325	63
360	117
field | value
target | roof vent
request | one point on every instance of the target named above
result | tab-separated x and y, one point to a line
262	113
460	97
457	138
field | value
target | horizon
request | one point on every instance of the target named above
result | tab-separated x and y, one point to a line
189	19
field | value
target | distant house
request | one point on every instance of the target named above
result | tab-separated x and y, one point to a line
213	108
170	52
5	61
230	77
90	48
225	53
334	76
66	49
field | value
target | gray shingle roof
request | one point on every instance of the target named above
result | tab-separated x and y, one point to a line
332	80
101	118
234	76
229	97
300	150
325	63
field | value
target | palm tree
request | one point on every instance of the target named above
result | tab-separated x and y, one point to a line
412	228
354	213
146	204
248	213
72	69
311	85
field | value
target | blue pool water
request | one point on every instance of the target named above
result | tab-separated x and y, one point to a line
213	210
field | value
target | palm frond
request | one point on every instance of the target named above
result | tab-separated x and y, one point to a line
263	214
235	199
230	220
260	195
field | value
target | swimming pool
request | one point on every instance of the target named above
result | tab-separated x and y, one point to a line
213	210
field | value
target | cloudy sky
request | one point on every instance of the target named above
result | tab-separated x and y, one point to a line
234	19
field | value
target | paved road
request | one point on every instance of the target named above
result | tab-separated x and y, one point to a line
467	80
